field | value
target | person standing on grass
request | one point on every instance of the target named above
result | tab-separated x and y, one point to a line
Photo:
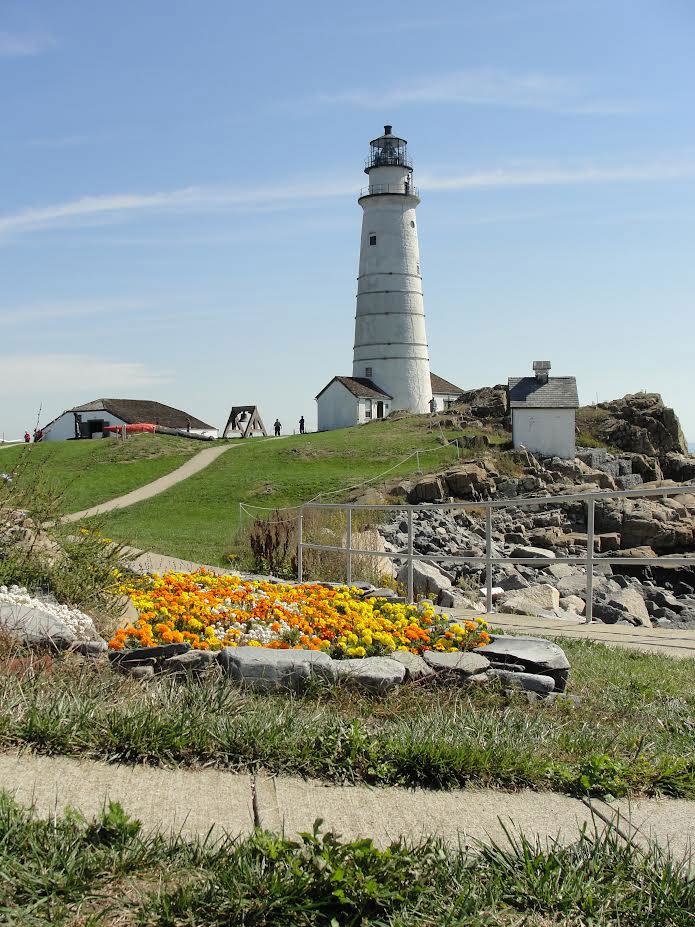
27	437
301	425
277	426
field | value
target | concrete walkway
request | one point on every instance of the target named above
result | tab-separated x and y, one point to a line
194	465
195	802
667	641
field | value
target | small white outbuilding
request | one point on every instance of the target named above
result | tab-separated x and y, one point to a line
543	410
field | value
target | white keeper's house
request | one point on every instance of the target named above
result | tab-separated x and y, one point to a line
391	365
543	410
89	419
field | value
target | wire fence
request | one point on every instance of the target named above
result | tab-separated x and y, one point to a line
489	559
248	509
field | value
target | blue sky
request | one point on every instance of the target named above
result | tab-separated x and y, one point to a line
178	214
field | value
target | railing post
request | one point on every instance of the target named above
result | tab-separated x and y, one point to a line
300	548
488	559
349	546
411	597
590	561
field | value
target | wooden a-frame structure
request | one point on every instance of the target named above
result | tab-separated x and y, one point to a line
246	420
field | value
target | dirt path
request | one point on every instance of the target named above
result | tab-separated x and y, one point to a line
195	802
194	465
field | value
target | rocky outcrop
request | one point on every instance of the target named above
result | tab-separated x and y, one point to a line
488	402
641	423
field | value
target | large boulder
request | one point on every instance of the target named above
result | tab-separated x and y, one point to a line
464	665
428	581
667	525
469	481
427	489
375	674
42	621
679	467
535	654
625	605
267	670
525	601
487	402
641	423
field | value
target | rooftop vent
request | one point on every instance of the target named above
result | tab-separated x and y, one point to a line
387	130
541	368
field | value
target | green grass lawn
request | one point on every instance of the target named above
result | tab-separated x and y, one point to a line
68	871
198	519
86	473
632	733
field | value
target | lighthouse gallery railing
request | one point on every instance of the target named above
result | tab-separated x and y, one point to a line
488	559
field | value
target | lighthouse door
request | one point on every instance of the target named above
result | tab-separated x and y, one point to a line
380	409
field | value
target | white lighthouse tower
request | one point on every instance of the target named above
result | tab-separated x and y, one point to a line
390	365
390	340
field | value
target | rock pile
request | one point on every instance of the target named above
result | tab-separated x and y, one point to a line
624	527
527	663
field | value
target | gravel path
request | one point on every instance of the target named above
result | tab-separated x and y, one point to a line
194	802
194	465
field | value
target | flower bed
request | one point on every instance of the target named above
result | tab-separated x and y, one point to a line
211	612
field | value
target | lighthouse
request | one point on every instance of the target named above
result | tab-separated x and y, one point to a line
390	362
390	339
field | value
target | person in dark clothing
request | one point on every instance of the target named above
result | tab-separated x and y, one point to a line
301	425
277	426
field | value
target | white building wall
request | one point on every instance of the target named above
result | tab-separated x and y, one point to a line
337	408
64	426
549	432
442	400
390	336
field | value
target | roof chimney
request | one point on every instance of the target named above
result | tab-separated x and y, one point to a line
387	130
541	368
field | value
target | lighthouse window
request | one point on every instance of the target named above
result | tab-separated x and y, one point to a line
372	239
412	224
418	268
368	372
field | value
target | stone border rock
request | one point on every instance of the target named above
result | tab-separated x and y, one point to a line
527	663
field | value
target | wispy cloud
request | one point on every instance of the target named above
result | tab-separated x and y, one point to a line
198	199
68	309
104	209
23	45
486	87
549	175
83	374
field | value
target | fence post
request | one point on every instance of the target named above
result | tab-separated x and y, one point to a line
488	559
411	597
300	548
349	546
417	455
458	448
590	561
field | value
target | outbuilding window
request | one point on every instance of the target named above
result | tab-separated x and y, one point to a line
368	408
372	239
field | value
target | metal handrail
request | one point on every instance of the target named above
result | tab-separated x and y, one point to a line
377	189
488	559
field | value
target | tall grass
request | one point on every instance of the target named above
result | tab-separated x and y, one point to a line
70	871
633	732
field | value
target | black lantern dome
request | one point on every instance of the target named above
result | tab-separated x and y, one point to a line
387	151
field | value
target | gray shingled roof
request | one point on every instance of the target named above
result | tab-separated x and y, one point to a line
360	387
133	411
440	386
530	393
